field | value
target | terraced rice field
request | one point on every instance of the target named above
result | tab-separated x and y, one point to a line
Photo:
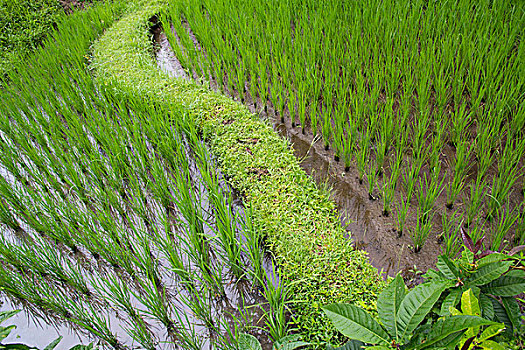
148	201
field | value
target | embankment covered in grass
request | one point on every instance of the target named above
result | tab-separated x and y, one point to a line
299	220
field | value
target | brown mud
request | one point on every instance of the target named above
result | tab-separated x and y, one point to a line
362	217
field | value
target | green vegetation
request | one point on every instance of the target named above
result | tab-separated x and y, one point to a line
291	342
423	98
23	26
426	317
116	221
298	221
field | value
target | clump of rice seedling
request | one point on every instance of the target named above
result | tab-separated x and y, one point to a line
422	230
463	151
451	228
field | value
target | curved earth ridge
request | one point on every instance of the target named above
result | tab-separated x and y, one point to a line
300	222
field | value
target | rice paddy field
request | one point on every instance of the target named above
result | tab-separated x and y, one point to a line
423	99
146	209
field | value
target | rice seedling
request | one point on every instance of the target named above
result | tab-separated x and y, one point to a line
390	183
429	189
188	336
253	248
276	294
371	176
463	151
508	172
451	228
519	237
422	230
507	219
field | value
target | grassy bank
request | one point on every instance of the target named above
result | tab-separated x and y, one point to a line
24	24
299	221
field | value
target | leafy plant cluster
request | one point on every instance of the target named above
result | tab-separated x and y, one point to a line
469	303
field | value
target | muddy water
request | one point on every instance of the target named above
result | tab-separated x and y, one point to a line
363	218
165	57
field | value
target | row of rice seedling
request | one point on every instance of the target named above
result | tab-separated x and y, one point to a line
114	219
424	99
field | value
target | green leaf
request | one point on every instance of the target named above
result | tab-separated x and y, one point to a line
516	273
53	344
488	273
356	323
16	347
487	309
5	315
450	341
451	300
5	331
447	267
470	304
505	286
416	305
350	345
513	311
468	256
388	304
434	275
90	346
491	345
248	342
452	324
501	315
494	257
289	342
491	331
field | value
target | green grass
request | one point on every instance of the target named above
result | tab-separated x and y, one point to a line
23	26
299	222
440	83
